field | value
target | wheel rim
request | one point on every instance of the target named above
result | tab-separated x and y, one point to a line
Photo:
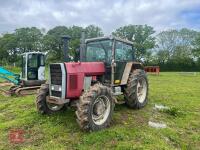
100	110
141	90
53	107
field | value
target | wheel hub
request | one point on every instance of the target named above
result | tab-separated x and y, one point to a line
52	106
101	110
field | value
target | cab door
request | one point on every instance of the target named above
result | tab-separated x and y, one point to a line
32	67
123	54
41	68
23	75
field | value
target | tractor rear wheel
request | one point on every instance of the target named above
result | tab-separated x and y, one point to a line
136	91
42	105
95	108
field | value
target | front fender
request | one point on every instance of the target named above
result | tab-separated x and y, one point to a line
130	66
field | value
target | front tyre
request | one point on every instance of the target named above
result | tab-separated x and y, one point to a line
43	106
136	91
95	108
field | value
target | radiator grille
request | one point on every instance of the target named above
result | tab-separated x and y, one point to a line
56	78
56	74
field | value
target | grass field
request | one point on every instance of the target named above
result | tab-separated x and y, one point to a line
129	130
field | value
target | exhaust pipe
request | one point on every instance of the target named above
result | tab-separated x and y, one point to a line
66	39
82	47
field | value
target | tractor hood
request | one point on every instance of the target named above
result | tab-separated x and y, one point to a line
75	73
87	68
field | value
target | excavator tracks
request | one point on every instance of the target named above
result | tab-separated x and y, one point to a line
22	91
18	90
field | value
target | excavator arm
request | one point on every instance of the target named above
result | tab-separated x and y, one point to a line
9	76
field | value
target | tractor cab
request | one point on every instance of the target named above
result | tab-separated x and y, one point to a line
107	48
110	50
33	66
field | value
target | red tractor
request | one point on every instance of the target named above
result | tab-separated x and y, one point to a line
107	69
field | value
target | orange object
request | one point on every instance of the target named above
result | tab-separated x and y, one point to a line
152	69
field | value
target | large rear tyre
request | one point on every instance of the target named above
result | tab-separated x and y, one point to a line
95	108
42	105
136	91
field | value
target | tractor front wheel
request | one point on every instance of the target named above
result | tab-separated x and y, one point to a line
43	106
95	108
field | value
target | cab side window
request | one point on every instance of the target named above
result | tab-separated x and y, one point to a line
123	52
95	54
32	60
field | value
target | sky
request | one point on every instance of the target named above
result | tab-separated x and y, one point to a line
107	14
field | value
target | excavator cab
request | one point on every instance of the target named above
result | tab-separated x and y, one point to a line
33	66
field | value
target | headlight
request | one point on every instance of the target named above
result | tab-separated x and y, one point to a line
56	88
60	89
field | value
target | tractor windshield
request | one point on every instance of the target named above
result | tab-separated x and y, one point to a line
99	51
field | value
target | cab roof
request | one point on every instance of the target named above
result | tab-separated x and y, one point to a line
108	38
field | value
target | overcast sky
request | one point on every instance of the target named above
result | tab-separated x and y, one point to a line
108	14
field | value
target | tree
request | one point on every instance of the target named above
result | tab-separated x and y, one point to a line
54	44
140	35
75	39
8	48
174	48
176	40
162	56
93	31
196	48
169	40
29	39
3	52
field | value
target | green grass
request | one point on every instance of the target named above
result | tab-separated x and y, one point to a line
129	129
